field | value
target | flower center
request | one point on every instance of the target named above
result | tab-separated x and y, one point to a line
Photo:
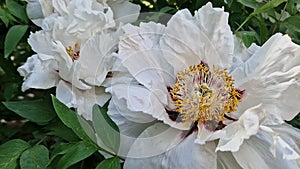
202	94
73	53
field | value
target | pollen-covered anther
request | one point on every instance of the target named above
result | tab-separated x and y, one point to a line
73	53
202	94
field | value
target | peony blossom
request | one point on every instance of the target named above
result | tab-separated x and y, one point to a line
74	51
196	97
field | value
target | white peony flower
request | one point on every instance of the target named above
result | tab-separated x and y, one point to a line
220	105
74	47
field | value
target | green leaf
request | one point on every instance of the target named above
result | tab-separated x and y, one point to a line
77	153
17	10
69	118
36	157
13	37
292	23
10	152
110	163
57	128
250	3
264	8
10	90
3	17
60	149
39	111
88	129
106	129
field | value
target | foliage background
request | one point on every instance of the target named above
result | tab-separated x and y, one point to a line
32	135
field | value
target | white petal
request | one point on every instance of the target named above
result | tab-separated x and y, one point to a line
141	55
227	161
37	10
39	74
131	124
72	75
82	100
205	37
254	153
204	135
96	58
138	98
273	77
41	42
238	131
173	153
285	141
124	11
81	19
239	69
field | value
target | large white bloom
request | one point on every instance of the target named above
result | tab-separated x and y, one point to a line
74	50
220	104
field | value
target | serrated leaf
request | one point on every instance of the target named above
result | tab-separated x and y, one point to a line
35	157
17	10
110	163
39	111
106	129
69	118
10	152
78	152
13	37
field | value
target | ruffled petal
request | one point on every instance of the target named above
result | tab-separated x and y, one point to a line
96	58
239	68
255	153
39	74
236	132
273	74
205	37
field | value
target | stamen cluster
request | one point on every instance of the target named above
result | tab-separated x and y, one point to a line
203	94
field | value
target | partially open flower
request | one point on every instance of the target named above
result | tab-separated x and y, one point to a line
222	105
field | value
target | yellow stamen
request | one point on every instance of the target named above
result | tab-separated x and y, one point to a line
201	94
74	54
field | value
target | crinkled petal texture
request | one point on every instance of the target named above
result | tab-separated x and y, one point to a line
81	19
96	57
271	78
207	37
82	100
39	73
